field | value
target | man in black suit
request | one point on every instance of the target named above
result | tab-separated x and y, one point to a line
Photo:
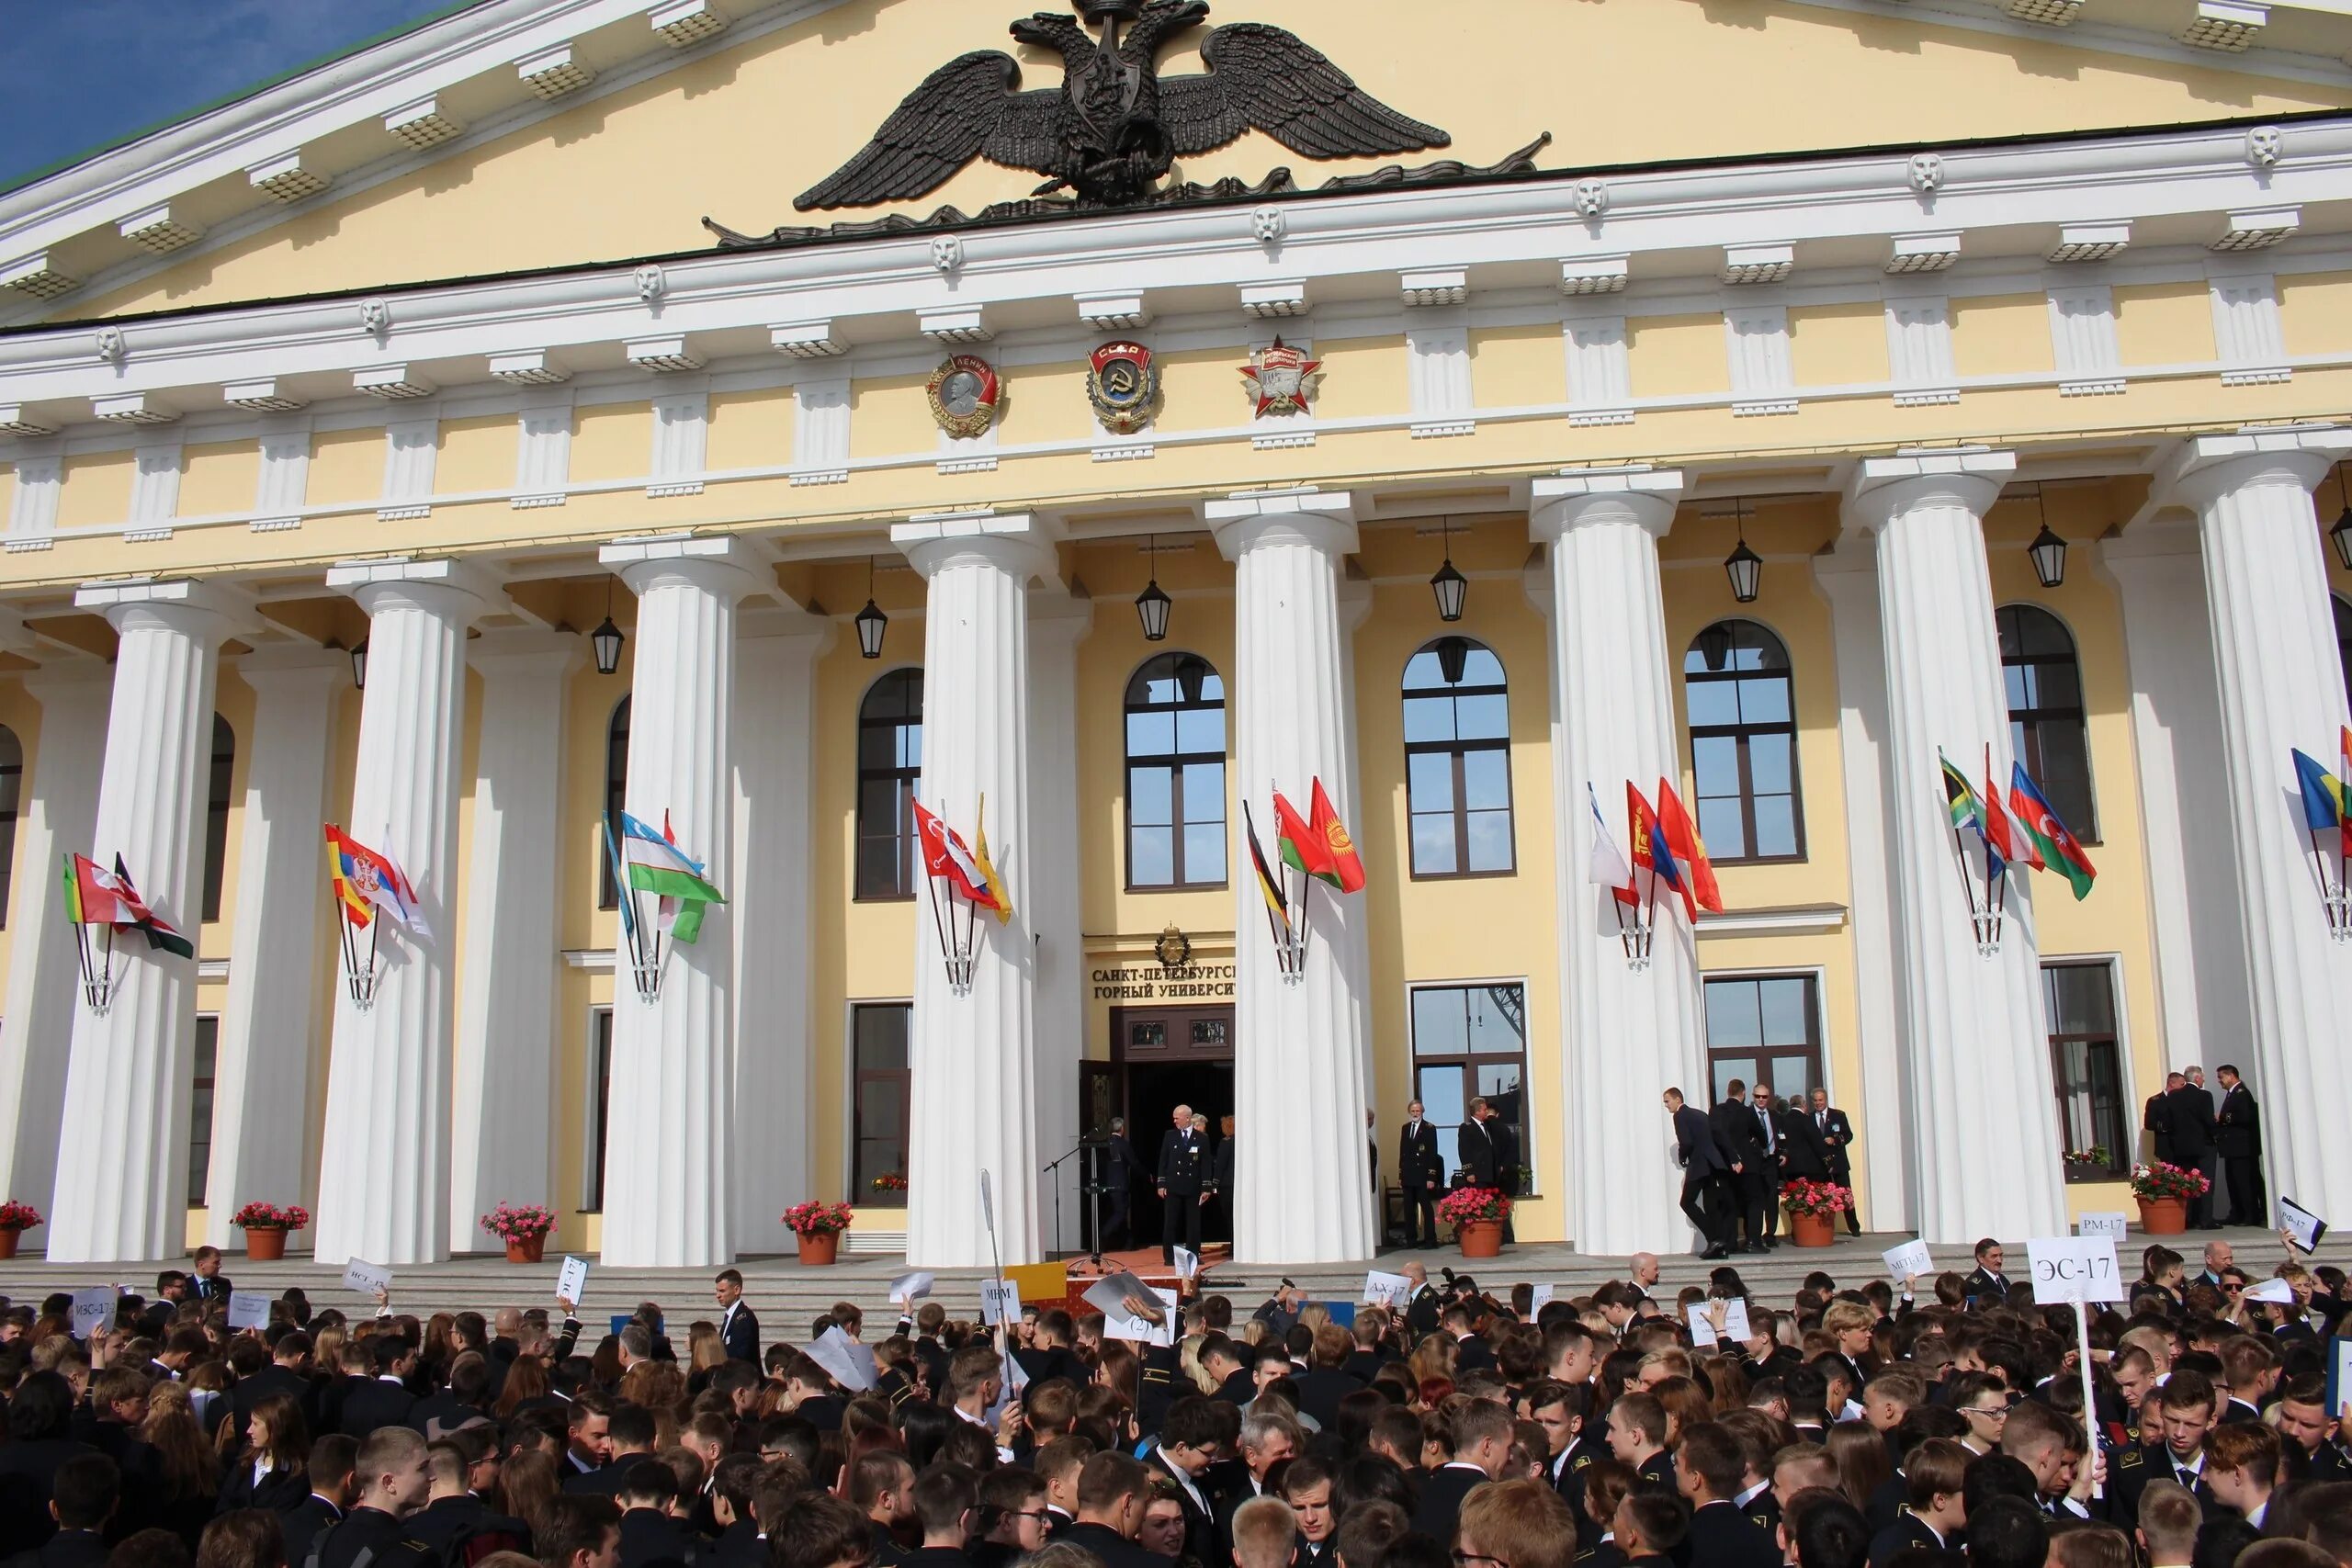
2156	1118
1934	1505
1221	1163
1705	1167
1763	1159
1803	1155
2191	1110
383	1400
1189	1438
392	1485
1490	1154
1838	1136
1710	1474
82	1498
1183	1174
331	1459
1112	1491
1482	1436
1734	1135
737	1327
209	1284
2238	1132
1985	1283
1420	1171
1117	1177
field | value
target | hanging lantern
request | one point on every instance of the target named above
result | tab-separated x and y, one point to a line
1152	604
871	621
360	665
1450	586
1744	566
2047	550
606	641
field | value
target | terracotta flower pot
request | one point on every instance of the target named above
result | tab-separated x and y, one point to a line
1480	1238
526	1249
2164	1216
1812	1230
8	1243
266	1246
816	1248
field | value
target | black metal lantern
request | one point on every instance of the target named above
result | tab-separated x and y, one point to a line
2341	535
871	621
1744	566
606	638
360	665
2047	550
1450	586
1152	604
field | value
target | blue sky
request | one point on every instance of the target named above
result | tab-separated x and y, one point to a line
92	71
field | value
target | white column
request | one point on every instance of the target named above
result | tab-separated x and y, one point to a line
2175	734
2281	682
279	939
503	1142
1057	624
1984	1118
1299	1077
1849	579
121	1191
44	991
669	1155
974	1056
775	668
384	1156
1630	1034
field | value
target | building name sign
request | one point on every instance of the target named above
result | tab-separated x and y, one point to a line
1152	983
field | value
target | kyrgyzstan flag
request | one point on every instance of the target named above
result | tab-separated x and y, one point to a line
1347	866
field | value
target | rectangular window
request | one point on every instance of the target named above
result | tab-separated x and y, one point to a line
1764	1029
881	1091
200	1111
2087	1067
1471	1041
600	1088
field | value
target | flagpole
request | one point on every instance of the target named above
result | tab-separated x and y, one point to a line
1967	888
2330	898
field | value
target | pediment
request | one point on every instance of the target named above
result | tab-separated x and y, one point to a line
734	124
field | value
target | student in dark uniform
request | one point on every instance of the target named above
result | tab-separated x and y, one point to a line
1934	1508
1182	1175
1118	1177
2237	1129
1420	1171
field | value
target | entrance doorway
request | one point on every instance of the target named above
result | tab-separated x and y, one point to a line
1162	1057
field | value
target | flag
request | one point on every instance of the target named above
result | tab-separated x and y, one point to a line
1651	852
355	908
1682	836
1347	866
620	880
1608	867
1998	836
945	854
90	899
134	912
2057	848
2344	782
2323	795
1300	847
1269	886
1960	798
376	881
657	865
987	867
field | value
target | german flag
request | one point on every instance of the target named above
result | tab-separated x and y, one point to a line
1269	885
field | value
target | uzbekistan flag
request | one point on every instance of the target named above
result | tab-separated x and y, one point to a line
656	865
945	854
133	911
1347	866
371	879
1682	835
2057	849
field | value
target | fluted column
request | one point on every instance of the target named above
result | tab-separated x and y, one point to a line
122	1141
2281	682
384	1156
1299	1074
776	670
669	1153
503	1141
280	940
1984	1122
974	1056
60	817
1630	1034
1057	624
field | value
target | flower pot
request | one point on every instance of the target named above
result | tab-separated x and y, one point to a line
818	1247
526	1249
1812	1230
266	1246
8	1243
1479	1238
2164	1216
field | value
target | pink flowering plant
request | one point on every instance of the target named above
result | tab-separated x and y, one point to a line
2160	1180
1817	1198
1474	1206
16	1216
518	1222
813	1218
260	1216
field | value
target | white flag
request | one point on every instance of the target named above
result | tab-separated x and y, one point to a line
1610	867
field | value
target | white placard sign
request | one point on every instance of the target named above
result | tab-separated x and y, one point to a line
2272	1290
365	1278
1392	1291
1120	1323
2073	1269
1539	1296
248	1309
572	1279
1188	1264
1703	1328
909	1288
1911	1261
1000	1301
94	1310
848	1363
2301	1225
2111	1223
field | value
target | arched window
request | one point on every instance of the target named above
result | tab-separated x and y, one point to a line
2343	639
216	814
608	892
12	785
889	760
1457	759
2046	732
1742	699
1176	774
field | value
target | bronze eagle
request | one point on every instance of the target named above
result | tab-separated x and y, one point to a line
1114	127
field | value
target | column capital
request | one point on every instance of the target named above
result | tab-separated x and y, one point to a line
774	624
1304	514
68	681
2205	466
1628	492
527	652
456	590
1019	544
718	564
1059	619
1968	477
293	666
213	610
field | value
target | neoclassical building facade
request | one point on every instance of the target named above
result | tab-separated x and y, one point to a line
1847	384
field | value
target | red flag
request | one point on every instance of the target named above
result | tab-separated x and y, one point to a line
1302	849
2009	844
945	854
1652	851
1346	865
1699	890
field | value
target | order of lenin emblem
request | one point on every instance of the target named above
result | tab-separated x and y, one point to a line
964	392
1280	379
1122	383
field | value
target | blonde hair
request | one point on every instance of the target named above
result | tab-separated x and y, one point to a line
1264	1531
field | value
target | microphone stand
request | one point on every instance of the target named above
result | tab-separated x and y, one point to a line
1091	1186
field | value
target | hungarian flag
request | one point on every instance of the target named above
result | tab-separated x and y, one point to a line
947	855
1651	852
2059	850
1347	866
1269	886
90	898
1682	836
657	865
133	911
1300	848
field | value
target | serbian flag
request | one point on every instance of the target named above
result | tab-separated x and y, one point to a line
133	911
1652	853
355	908
945	854
90	898
371	877
2058	849
1347	866
1682	836
657	865
1300	848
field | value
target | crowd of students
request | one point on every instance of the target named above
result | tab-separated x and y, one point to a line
1910	1425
